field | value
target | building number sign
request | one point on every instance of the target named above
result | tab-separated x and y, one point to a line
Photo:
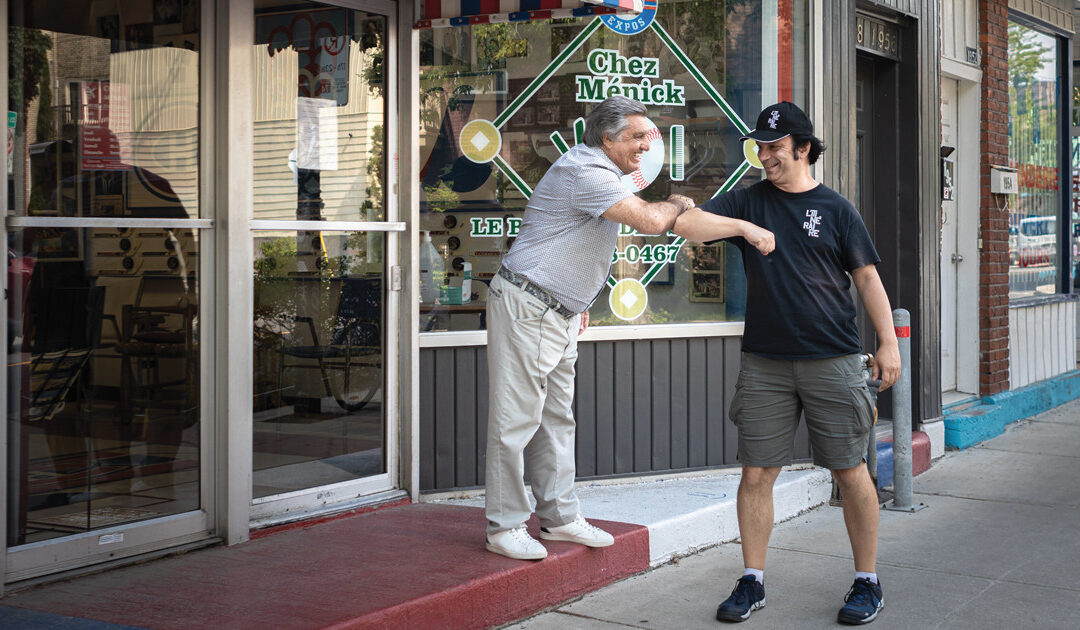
877	36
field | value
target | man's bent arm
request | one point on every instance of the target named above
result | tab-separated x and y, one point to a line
876	302
698	225
648	218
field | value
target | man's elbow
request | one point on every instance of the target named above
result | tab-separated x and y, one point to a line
654	223
691	230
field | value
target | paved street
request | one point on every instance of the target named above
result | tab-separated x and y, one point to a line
997	547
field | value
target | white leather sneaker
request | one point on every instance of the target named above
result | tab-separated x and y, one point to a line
578	531
517	544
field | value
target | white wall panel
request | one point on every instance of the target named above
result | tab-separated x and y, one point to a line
1042	342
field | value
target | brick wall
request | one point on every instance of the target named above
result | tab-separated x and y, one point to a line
994	215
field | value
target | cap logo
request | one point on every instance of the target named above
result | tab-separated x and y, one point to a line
774	118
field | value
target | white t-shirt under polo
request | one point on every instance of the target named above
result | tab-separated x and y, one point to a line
564	245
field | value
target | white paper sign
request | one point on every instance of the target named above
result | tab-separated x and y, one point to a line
316	134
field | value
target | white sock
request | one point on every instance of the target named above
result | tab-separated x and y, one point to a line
870	576
758	574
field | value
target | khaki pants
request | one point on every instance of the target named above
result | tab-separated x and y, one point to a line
531	355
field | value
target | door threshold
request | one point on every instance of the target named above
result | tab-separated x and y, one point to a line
953	397
99	567
272	524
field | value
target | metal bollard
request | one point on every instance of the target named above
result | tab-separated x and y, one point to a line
902	419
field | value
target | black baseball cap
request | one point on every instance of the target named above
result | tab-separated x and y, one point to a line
779	121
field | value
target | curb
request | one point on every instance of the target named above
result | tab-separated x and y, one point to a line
967	425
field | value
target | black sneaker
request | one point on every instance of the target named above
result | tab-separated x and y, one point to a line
864	600
748	596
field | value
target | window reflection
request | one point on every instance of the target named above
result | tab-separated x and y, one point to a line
320	154
320	112
1034	130
103	375
103	332
318	368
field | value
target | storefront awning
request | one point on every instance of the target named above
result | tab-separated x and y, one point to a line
443	13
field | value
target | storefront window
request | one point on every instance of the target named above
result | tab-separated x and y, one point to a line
501	102
103	328
1035	119
1074	176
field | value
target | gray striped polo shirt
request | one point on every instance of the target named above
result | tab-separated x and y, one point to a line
564	245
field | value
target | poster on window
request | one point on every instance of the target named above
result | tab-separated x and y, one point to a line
104	126
319	39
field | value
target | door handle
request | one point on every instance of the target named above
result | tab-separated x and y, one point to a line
956	258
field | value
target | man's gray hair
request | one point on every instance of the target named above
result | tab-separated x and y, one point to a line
609	118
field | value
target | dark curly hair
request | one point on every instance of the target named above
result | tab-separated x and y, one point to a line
817	147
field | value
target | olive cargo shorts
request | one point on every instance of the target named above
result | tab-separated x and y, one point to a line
771	394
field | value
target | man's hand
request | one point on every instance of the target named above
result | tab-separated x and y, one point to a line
584	322
887	361
887	365
759	237
683	201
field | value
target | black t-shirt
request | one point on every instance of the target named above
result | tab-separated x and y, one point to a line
798	305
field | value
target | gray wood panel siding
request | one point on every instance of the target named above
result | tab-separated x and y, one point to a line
838	119
641	407
926	318
837	126
905	7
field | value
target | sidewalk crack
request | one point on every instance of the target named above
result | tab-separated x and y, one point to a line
600	619
990	500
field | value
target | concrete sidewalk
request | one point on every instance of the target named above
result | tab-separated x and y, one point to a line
998	547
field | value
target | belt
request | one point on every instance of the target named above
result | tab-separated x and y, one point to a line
541	294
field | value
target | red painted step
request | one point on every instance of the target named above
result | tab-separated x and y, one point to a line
415	566
920	451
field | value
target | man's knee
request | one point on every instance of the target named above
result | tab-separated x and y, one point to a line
757	478
852	477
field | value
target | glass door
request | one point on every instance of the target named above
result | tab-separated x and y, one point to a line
106	426
325	232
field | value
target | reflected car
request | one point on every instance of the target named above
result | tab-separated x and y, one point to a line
1036	241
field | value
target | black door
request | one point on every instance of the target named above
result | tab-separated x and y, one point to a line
877	194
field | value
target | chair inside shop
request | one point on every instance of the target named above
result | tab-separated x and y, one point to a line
67	330
350	360
159	353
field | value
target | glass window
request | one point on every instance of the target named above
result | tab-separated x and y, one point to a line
319	153
103	327
320	113
1035	123
1074	178
318	372
525	87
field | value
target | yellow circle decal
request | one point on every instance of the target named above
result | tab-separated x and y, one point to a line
628	299
480	141
749	149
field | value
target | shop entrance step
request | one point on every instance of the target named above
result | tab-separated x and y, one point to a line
414	566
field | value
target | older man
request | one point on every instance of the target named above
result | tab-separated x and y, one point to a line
538	305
